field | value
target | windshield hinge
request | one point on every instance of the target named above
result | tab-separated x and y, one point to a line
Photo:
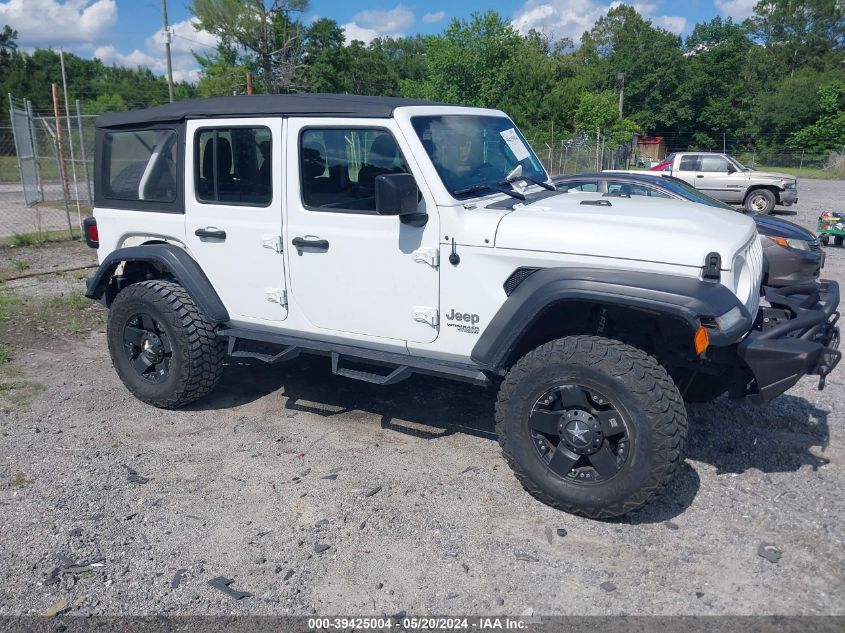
430	256
273	242
424	314
277	295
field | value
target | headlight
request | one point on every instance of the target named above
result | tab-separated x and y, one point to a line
790	185
798	245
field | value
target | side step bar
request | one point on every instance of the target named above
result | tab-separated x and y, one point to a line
400	366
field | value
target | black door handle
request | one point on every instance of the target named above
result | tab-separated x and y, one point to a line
699	176
301	242
212	232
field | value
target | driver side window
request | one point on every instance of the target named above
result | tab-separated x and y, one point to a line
338	167
713	164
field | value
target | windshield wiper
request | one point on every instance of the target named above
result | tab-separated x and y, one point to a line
493	186
516	174
539	183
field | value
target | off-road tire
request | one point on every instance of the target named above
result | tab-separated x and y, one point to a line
769	198
838	239
196	363
824	238
644	392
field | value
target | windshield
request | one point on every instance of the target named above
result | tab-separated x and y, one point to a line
691	193
470	151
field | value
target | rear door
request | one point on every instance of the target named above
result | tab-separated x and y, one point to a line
233	208
687	168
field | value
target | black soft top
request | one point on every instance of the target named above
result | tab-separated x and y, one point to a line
262	105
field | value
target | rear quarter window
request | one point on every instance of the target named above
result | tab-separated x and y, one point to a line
140	165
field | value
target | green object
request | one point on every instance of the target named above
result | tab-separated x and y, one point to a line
831	223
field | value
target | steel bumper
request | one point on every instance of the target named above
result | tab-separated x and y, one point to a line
797	336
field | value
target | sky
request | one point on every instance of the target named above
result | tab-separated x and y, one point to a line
129	32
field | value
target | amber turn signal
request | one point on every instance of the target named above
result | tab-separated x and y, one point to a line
701	340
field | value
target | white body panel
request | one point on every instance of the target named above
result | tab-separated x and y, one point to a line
379	276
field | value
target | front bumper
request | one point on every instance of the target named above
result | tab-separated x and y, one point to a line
796	336
788	196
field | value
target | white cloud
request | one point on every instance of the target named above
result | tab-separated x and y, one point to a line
55	23
737	9
570	18
431	18
185	40
368	25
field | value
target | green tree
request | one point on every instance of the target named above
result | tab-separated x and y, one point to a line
269	33
828	132
800	33
651	59
599	112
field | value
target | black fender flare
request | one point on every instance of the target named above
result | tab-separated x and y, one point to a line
685	298
174	260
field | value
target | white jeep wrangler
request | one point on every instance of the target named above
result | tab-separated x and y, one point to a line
398	236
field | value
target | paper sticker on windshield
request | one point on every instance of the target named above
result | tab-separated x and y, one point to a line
515	143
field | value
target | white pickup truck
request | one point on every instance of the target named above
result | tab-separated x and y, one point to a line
726	179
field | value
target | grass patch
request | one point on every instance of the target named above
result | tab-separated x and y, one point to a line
80	274
7	304
5	354
19	480
804	172
73	313
37	238
21	265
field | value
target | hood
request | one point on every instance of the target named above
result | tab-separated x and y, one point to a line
776	227
769	175
639	228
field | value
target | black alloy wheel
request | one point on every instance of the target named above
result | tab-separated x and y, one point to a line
147	347
580	434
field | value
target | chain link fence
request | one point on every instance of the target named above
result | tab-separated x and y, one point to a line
581	153
45	173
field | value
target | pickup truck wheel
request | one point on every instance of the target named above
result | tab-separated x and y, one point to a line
591	426
162	346
761	201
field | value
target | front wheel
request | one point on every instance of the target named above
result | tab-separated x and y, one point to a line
591	426
761	201
162	346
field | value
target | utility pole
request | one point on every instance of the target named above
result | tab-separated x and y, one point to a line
620	77
167	50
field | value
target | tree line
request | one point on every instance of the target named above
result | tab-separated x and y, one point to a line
775	82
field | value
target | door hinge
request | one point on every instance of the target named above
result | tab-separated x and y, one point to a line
430	256
273	242
428	315
277	295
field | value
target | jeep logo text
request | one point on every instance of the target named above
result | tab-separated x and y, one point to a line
472	319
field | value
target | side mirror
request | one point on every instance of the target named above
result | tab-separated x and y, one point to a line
398	194
731	169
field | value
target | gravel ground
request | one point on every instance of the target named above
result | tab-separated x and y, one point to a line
316	494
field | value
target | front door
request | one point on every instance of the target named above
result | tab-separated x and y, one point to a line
352	270
718	177
233	207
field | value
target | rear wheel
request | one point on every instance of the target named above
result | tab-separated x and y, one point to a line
761	201
591	426
162	346
837	240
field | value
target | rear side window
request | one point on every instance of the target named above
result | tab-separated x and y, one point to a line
634	189
233	166
689	163
140	165
578	185
339	167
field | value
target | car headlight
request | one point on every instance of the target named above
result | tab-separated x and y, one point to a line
790	185
798	245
